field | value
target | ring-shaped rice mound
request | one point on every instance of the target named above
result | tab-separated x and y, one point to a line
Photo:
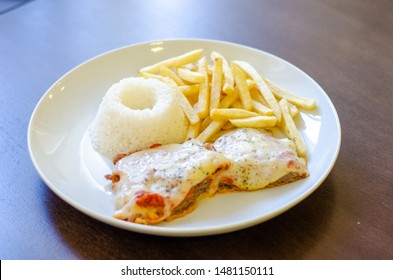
135	114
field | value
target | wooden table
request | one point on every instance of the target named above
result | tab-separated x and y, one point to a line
346	46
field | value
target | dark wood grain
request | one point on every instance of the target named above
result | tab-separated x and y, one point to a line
346	46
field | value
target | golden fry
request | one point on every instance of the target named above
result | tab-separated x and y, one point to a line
175	61
229	82
204	95
190	90
291	130
261	109
190	66
205	123
231	113
228	100
293	110
237	104
215	92
256	122
152	76
257	96
193	130
228	126
251	84
166	72
190	76
212	129
303	102
241	84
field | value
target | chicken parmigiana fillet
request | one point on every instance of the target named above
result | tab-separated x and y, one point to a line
258	160
165	182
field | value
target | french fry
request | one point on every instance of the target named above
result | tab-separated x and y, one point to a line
215	92
152	76
237	104
229	82
260	106
193	100
190	66
262	86
193	130
251	84
241	84
209	131
255	122
231	113
176	61
291	130
204	95
293	110
228	100
166	72
190	90
210	69
205	123
257	96
183	102
190	76
261	109
303	102
228	126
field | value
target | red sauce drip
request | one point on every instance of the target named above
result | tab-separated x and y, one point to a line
145	200
155	146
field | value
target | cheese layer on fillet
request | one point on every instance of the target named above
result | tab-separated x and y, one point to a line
152	184
258	160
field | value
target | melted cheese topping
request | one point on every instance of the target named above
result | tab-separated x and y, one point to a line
153	182
258	159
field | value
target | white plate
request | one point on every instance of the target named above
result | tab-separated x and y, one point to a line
63	157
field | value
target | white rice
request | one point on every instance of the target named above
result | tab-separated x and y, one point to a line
134	114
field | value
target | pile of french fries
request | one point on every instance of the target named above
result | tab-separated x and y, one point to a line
219	96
